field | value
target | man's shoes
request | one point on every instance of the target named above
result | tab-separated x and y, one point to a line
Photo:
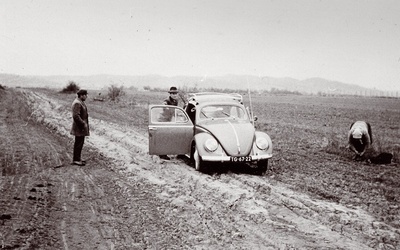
164	157
78	163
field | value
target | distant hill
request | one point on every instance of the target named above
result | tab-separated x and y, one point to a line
234	82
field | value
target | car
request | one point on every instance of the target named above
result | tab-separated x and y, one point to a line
211	128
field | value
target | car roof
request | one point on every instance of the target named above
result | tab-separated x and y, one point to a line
216	97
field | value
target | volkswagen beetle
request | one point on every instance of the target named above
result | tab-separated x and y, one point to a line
212	127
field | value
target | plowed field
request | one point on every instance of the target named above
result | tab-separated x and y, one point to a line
314	196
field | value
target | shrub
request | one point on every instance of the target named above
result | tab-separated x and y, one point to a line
114	92
71	87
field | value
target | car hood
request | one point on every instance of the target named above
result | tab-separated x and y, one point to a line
236	137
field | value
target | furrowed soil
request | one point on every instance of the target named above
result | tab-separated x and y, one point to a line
314	196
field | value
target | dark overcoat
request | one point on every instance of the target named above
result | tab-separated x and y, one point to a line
80	117
171	101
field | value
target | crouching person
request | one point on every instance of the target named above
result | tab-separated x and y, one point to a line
360	138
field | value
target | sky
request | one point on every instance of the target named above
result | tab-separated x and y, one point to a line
351	41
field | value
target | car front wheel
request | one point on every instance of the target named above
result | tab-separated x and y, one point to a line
198	162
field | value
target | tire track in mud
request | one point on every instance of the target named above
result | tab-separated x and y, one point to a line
121	215
77	212
25	199
243	210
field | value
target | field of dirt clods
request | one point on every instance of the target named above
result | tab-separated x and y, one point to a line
314	195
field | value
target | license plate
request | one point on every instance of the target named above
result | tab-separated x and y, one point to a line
241	158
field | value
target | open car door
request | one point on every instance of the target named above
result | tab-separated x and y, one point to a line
170	130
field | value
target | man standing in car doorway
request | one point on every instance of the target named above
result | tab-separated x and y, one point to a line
80	125
171	100
173	97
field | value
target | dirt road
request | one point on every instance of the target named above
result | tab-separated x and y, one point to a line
125	199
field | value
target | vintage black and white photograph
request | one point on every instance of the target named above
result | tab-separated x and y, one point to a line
200	124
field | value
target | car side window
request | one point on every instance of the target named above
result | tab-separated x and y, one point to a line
180	116
168	114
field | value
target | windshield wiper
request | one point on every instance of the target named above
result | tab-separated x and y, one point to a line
204	114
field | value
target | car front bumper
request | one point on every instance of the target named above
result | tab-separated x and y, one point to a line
224	158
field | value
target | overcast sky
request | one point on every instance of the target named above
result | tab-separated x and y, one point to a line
355	42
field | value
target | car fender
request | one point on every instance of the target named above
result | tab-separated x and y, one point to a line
200	139
259	134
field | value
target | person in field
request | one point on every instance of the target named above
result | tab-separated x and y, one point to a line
360	137
167	115
173	100
80	125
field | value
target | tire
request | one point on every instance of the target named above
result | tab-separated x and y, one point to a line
262	167
198	162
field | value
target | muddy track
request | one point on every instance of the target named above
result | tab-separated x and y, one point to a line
126	199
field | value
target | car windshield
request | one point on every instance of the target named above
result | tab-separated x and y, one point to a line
223	112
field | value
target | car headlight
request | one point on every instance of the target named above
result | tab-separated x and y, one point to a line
211	145
262	143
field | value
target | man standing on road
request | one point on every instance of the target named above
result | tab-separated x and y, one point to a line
80	125
171	100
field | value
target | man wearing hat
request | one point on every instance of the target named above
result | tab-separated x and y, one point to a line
173	97
360	137
171	100
80	125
